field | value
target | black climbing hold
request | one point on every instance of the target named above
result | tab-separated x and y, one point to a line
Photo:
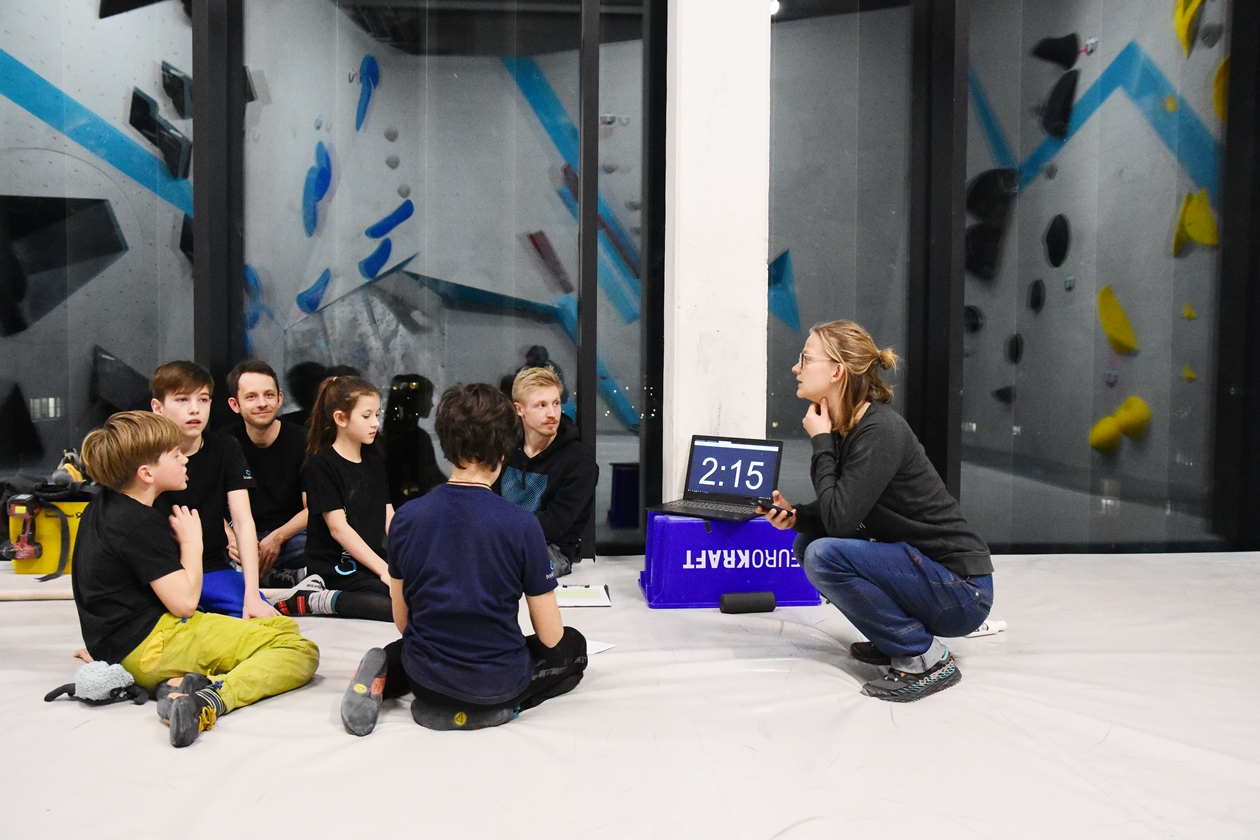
1005	394
1062	51
1057	114
1051	170
973	319
1037	296
1058	238
1014	348
984	239
991	194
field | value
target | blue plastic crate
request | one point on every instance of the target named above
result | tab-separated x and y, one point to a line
687	565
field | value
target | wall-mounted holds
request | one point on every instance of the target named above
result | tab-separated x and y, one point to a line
369	78
1062	51
1170	103
318	180
1105	436
1069	282
1187	373
403	191
371	265
401	214
1111	377
391	134
991	194
1188	312
1185	22
1037	296
1209	35
981	249
1115	322
1057	114
973	319
1005	394
1198	219
1014	348
392	161
308	299
1132	416
1058	238
1050	170
1220	90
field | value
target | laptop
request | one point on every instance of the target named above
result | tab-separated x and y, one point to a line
727	478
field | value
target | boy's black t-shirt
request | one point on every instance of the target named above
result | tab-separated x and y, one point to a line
361	490
215	470
465	556
122	546
276	496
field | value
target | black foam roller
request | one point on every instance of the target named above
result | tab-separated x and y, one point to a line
747	602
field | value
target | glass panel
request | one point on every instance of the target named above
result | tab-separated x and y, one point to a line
620	299
95	145
1093	152
410	197
839	189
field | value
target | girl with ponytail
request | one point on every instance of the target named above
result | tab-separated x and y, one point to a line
884	541
347	497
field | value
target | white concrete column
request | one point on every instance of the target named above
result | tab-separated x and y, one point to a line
717	183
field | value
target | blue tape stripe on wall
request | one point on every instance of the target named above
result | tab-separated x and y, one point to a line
560	128
1134	73
988	121
28	90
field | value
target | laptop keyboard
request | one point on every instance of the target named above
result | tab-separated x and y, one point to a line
722	506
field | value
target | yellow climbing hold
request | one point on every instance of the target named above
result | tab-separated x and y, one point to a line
1105	436
1188	374
1185	14
1115	323
1132	417
1170	103
1189	312
1179	235
1220	89
1200	223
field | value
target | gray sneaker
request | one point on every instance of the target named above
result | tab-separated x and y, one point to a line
901	687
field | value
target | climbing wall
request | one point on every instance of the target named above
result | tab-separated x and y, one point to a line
1105	117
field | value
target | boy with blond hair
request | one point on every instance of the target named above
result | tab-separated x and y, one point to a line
137	582
218	488
551	473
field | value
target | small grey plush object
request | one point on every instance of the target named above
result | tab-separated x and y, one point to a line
99	684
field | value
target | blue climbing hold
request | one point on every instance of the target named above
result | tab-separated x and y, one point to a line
254	306
372	266
323	177
308	300
369	78
318	179
783	291
393	220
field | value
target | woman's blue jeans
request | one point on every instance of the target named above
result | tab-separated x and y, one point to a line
893	594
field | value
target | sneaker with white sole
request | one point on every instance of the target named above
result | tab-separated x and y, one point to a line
902	687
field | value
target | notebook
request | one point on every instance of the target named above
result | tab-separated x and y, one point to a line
727	478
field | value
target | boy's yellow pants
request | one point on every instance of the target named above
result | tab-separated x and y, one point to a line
254	659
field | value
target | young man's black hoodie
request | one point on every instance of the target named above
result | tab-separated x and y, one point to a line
557	485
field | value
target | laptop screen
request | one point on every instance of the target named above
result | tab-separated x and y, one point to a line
733	467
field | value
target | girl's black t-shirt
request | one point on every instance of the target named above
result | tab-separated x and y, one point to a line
361	490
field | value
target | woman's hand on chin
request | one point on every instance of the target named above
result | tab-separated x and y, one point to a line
780	514
817	420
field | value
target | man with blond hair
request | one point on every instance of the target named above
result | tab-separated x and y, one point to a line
551	474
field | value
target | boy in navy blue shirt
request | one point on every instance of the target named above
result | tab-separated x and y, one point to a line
460	558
